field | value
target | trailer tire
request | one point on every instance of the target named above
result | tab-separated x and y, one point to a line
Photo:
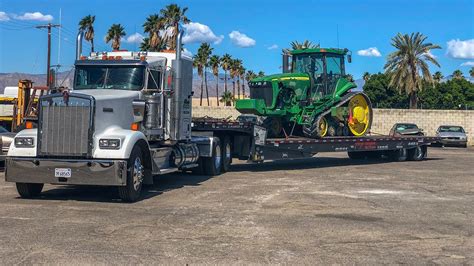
398	155
212	165
29	190
226	154
131	192
357	155
416	154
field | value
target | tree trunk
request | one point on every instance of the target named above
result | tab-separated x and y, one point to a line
207	90
92	45
233	88
217	89
413	100
202	91
243	89
225	81
238	88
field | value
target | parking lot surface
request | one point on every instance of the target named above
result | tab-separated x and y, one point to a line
323	210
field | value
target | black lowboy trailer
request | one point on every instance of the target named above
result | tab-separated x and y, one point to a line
247	141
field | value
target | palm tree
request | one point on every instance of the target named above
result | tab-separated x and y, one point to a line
87	25
215	62
407	66
234	73
261	74
366	76
349	77
227	98
437	77
203	54
242	77
295	45
145	45
173	15
153	25
200	68
115	33
226	62
471	72
249	76
457	74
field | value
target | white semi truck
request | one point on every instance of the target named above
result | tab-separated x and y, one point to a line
128	117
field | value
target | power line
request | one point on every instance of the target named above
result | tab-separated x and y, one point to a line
48	26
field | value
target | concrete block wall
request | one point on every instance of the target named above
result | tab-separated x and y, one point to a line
384	119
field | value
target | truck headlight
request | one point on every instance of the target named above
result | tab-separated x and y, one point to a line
24	142
112	144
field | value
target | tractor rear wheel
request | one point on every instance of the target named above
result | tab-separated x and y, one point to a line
273	126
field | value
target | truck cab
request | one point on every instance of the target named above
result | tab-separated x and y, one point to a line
127	118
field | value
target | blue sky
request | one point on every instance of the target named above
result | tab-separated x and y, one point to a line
248	29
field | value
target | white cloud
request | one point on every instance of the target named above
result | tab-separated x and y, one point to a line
272	47
241	39
186	52
468	63
37	16
134	38
198	33
372	51
461	49
4	16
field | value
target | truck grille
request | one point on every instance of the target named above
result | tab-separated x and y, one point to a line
65	129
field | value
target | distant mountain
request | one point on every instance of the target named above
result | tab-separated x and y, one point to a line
11	79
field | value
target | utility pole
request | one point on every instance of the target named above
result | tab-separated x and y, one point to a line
48	26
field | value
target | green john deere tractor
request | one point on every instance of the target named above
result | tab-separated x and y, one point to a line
311	98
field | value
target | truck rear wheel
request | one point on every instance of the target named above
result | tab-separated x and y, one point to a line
416	154
132	190
29	190
212	165
226	154
398	155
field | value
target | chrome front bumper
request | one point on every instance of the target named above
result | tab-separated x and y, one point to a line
83	172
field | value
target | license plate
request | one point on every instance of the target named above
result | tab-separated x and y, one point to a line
62	172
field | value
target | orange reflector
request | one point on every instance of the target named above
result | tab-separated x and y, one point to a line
111	57
104	57
83	57
142	58
29	125
134	127
118	57
322	50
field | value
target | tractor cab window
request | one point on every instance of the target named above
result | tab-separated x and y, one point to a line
334	71
313	65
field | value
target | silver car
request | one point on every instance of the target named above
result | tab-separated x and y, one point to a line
452	135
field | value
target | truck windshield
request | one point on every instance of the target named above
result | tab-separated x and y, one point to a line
109	77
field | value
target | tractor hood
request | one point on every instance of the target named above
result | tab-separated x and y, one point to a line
285	76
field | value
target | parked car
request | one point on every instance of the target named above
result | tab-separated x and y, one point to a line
406	129
452	135
7	138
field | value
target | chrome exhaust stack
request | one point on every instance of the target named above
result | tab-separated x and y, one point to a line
79	38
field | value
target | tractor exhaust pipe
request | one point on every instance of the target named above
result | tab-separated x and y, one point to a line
177	86
80	36
286	62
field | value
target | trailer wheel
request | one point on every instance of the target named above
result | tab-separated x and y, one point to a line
135	173
226	154
398	155
356	155
212	165
416	154
29	190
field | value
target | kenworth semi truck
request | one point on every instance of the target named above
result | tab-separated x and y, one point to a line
128	118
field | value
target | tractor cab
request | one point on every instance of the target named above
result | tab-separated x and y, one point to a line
325	67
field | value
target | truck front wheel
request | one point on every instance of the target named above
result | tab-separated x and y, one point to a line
29	190
226	154
132	190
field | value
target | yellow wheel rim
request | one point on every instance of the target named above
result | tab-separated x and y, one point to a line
359	120
323	126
